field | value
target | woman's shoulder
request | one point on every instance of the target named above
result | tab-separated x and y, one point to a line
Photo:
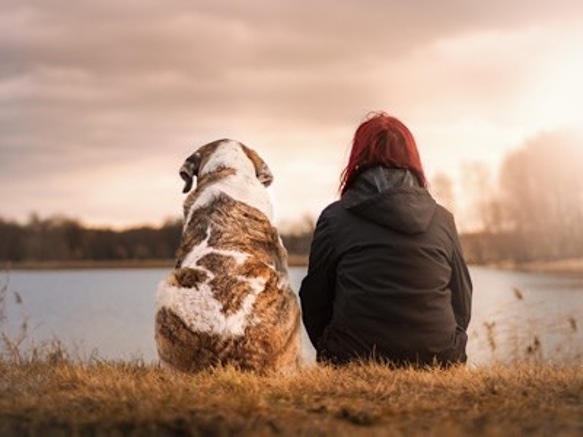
330	216
443	213
447	223
332	209
335	212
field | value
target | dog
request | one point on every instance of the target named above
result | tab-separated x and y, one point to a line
228	300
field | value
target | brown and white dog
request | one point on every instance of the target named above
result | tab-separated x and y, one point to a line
228	301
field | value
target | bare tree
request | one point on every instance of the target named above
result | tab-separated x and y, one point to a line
482	198
543	195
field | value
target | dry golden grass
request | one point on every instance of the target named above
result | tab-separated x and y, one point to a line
293	261
45	398
89	264
571	266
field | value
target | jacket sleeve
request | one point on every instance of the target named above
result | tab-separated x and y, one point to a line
460	285
318	287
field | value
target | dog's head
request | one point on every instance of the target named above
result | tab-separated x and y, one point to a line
223	154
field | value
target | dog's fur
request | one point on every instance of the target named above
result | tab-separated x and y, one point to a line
228	301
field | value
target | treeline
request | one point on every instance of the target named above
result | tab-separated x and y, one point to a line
534	210
66	239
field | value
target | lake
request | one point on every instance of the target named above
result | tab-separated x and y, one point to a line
110	312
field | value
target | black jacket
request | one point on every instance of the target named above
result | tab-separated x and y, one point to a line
386	276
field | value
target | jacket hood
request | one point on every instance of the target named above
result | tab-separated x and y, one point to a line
390	197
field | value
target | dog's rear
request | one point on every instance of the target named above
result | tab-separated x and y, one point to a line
228	301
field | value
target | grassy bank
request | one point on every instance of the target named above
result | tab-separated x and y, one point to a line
89	264
566	266
59	398
572	266
294	261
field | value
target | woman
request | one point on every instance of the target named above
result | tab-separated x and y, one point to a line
386	276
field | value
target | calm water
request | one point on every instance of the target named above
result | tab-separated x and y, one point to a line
524	316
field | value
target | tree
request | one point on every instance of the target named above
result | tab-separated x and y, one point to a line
442	189
543	195
483	205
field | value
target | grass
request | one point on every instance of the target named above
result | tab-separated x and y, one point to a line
570	266
293	261
136	399
90	264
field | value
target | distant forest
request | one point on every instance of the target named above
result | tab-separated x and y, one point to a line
66	239
533	211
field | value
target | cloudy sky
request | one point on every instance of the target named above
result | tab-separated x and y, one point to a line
101	101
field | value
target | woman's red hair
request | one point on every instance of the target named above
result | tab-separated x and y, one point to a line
382	140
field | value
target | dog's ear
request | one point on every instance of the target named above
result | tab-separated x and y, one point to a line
189	170
261	169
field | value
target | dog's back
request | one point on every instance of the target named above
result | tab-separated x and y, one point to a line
228	301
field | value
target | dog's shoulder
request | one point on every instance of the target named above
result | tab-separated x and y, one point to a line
230	225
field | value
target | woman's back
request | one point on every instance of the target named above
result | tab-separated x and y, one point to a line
386	275
392	287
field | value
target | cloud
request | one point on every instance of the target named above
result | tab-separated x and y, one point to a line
87	88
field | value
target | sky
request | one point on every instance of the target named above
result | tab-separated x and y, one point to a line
101	101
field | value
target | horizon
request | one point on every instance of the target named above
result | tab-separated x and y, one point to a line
96	131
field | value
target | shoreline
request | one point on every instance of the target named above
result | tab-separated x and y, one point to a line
293	261
571	266
568	266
